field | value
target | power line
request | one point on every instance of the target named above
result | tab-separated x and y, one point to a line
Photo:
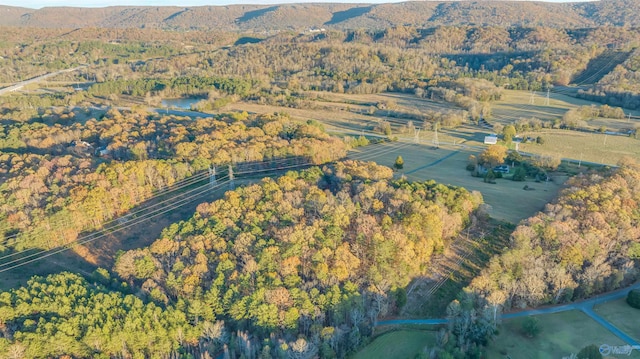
61	248
15	263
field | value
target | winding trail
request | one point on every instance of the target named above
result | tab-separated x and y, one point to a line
585	306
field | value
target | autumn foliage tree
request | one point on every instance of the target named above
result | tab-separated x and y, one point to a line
320	248
582	244
493	155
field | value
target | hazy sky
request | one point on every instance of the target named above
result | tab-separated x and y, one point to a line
102	3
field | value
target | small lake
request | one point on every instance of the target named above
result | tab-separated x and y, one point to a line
184	103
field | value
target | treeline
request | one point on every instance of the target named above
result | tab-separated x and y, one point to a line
533	57
29	52
473	95
174	87
578	117
317	254
585	243
54	187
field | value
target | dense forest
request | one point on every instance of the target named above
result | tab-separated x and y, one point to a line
303	262
306	262
357	61
54	186
305	16
587	242
621	86
465	65
63	315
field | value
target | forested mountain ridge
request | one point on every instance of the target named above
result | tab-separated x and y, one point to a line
336	16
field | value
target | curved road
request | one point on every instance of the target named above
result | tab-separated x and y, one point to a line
586	306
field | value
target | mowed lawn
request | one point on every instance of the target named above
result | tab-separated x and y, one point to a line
623	316
446	165
561	334
402	344
592	147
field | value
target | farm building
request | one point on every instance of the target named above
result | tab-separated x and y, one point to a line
491	139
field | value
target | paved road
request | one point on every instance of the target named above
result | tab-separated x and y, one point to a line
21	84
586	306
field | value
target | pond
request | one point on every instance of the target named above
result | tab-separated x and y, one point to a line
183	103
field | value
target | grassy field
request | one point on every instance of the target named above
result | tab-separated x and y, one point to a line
515	105
561	334
620	314
591	147
345	114
340	114
398	345
508	200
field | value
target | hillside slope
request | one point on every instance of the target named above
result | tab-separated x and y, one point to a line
339	16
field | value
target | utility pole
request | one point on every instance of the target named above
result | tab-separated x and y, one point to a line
212	177
231	182
580	162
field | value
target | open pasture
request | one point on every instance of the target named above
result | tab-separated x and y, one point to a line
398	344
623	316
446	165
585	146
561	335
516	105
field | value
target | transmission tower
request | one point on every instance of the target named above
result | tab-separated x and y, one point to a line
416	139
436	143
231	182
532	98
546	100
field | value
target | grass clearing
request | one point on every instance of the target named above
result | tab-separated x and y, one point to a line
623	316
508	200
398	345
561	334
516	104
591	147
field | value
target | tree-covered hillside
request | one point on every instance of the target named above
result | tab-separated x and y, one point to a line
304	16
299	266
587	242
55	186
318	253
